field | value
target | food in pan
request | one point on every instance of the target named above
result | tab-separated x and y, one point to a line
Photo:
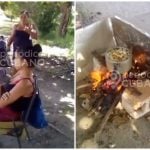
118	54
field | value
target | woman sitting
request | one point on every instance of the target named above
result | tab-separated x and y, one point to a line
16	95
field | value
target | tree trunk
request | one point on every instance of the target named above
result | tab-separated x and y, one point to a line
65	18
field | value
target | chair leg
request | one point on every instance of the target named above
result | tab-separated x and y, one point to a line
19	142
17	136
27	132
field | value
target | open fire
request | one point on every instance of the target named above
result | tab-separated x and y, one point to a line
107	81
106	84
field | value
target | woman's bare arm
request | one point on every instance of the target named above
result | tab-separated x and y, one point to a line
18	91
32	30
0	90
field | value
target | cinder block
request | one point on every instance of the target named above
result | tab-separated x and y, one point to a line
137	104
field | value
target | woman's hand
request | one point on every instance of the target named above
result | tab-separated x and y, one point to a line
27	29
32	31
20	89
5	96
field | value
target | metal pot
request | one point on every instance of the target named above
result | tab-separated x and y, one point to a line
119	59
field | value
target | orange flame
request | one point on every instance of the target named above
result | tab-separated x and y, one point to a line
98	76
119	87
125	75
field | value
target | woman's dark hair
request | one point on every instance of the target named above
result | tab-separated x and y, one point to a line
30	54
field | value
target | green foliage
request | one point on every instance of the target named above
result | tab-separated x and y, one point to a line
11	9
46	19
3	5
55	40
46	16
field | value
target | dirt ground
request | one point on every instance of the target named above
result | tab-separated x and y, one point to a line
121	130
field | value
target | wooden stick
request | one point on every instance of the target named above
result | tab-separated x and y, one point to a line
58	130
83	86
106	117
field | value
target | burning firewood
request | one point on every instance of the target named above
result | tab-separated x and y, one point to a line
83	86
106	91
